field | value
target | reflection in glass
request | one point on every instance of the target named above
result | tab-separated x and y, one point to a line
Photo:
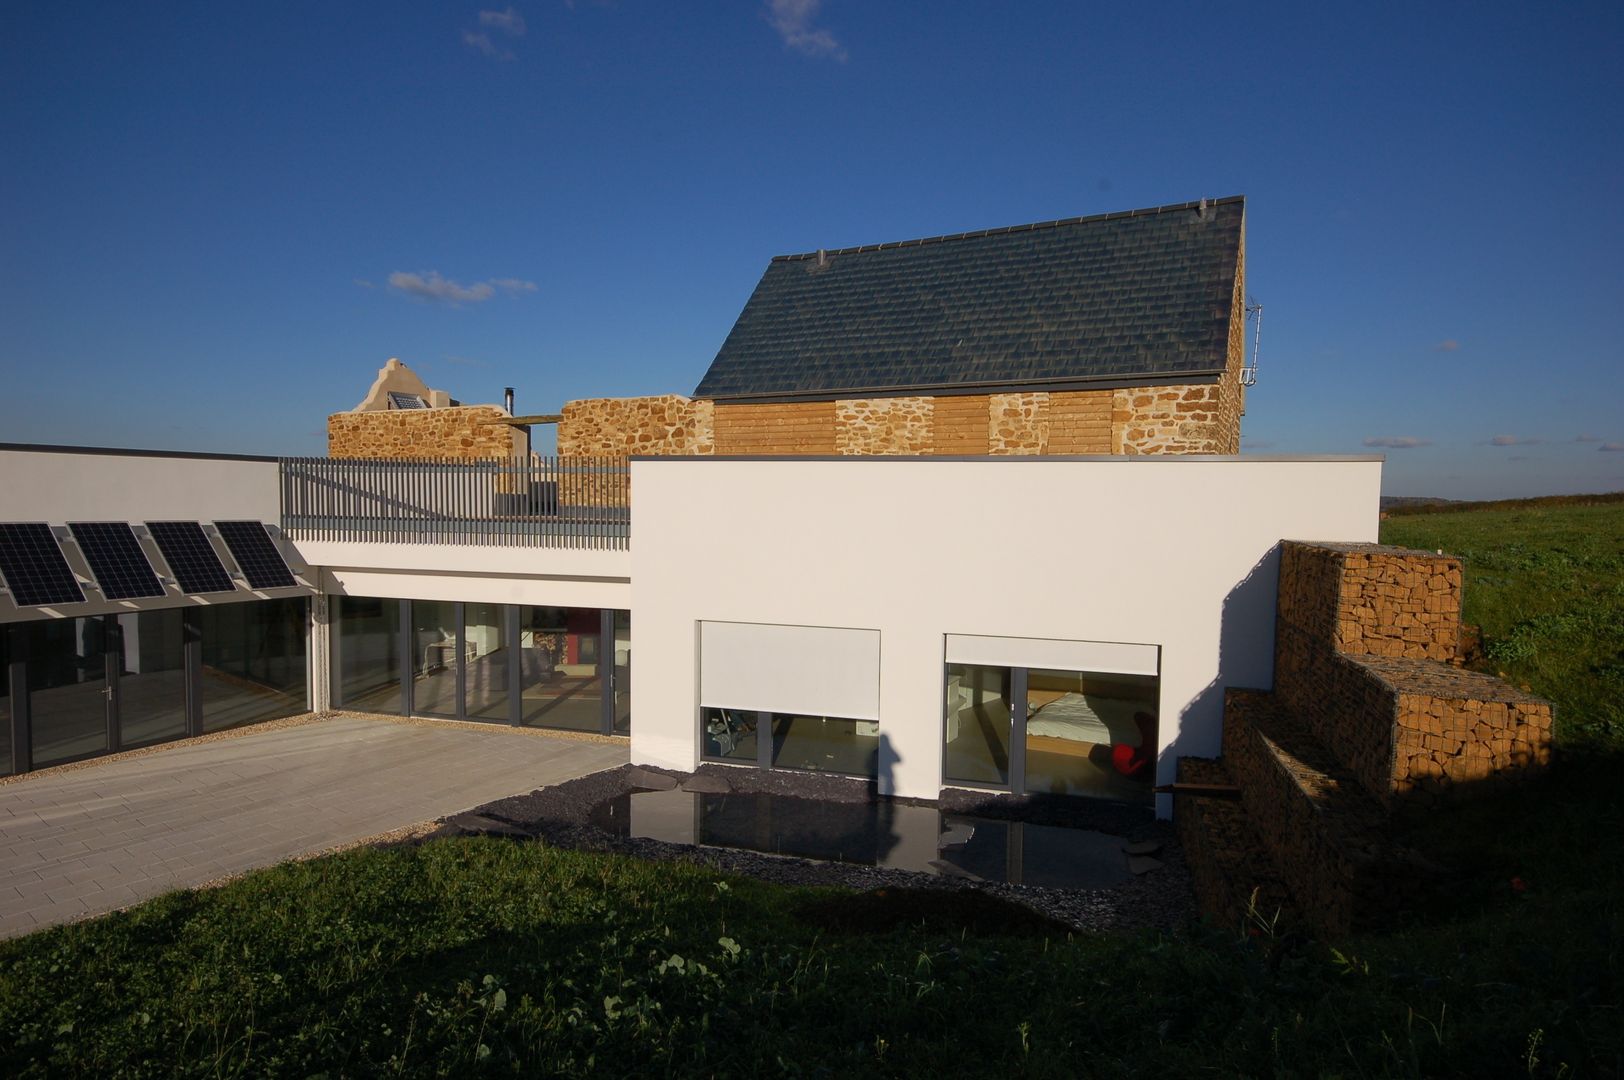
434	657
560	684
730	734
152	677
488	655
67	680
368	640
976	746
623	673
254	665
826	744
1091	734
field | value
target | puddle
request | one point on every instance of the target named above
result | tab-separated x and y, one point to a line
921	839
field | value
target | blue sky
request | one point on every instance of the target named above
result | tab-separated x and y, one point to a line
219	220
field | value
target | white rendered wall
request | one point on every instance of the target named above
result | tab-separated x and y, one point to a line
68	486
61	487
558	577
1179	553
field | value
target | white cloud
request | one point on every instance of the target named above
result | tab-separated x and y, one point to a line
430	286
1513	440
482	41
1397	442
1446	345
1587	438
1612	447
793	21
509	22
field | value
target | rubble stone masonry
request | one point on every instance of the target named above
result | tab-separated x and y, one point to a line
891	425
669	425
466	431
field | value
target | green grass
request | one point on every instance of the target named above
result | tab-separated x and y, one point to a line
1546	585
466	956
480	956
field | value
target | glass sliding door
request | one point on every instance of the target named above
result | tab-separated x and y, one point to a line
489	660
436	653
825	744
367	637
561	684
254	662
7	761
980	710
1051	731
67	688
151	664
623	673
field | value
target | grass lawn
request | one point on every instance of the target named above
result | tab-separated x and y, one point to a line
1546	584
485	956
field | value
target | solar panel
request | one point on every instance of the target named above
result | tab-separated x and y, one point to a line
116	558
406	401
196	567
33	566
251	546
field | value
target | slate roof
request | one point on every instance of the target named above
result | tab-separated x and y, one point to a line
1114	296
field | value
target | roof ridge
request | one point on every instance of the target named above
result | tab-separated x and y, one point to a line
1007	229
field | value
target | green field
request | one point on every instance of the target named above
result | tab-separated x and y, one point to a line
1546	585
467	957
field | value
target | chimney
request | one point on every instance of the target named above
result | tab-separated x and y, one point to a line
507	399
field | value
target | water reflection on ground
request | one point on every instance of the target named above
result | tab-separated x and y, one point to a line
879	833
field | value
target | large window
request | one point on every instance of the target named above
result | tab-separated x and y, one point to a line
254	662
68	703
489	660
790	697
151	655
435	651
6	759
369	669
563	670
1052	730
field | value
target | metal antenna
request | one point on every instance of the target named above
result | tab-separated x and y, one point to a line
1254	313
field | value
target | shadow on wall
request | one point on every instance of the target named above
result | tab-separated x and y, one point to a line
1245	659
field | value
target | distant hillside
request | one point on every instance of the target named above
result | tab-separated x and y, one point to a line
1399	505
1390	502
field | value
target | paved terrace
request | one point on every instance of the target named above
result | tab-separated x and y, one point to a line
91	840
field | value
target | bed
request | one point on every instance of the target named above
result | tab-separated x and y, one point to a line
1072	723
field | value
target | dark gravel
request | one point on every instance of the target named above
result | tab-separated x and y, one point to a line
562	815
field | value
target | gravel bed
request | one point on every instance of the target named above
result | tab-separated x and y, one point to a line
561	815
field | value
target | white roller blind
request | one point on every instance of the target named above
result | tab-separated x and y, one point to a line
1106	657
810	670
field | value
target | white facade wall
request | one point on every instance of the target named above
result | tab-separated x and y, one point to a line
1177	553
557	577
57	487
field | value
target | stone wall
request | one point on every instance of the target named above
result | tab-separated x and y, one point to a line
1182	419
669	425
890	425
467	431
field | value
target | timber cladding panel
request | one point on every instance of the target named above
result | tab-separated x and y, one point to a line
961	425
466	431
790	428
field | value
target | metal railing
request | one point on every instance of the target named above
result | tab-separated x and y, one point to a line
575	502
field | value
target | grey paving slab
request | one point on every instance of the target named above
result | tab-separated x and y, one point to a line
96	839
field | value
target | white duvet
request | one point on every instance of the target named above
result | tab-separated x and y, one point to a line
1087	718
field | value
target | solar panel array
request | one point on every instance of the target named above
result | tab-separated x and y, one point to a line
406	401
116	558
196	567
251	546
33	566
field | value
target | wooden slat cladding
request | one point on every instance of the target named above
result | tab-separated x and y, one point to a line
961	424
789	428
1080	422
